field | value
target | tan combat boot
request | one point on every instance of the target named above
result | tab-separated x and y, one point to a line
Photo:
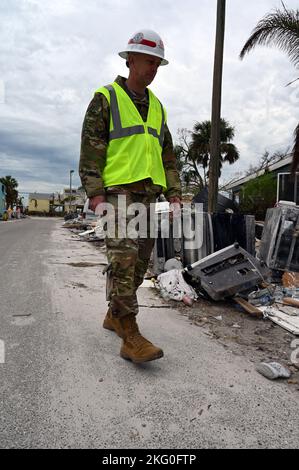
135	347
112	323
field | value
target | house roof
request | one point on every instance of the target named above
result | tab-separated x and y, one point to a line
275	166
41	196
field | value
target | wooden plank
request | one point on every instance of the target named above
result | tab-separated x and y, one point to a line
254	311
291	301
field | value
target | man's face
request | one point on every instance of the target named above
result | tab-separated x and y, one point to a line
144	67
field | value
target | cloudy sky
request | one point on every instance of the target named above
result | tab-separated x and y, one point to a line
55	53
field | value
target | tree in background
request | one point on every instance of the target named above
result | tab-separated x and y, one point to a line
265	161
281	29
201	145
20	202
194	151
258	195
11	185
189	171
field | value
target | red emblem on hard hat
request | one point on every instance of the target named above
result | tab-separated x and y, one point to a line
139	39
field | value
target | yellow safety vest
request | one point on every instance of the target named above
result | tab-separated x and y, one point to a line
134	151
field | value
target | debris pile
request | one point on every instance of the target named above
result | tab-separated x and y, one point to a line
88	228
264	281
173	286
265	285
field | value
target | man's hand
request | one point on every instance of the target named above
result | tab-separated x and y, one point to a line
95	201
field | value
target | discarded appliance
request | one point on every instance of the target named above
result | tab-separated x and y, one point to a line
196	247
231	228
186	247
214	231
227	272
280	240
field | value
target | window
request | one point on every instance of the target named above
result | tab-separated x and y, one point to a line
288	187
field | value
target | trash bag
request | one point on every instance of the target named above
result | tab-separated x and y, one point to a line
173	286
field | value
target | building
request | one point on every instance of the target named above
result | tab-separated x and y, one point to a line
2	199
74	203
56	203
39	203
287	186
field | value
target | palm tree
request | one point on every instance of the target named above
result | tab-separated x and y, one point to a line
200	144
11	192
279	28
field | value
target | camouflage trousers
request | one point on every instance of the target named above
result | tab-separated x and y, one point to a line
128	257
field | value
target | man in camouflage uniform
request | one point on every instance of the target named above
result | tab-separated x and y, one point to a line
127	257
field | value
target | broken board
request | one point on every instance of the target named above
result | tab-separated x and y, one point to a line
288	322
254	311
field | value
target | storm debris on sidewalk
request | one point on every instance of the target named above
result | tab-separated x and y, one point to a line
290	280
286	321
233	315
253	310
263	289
173	286
226	273
280	241
273	370
88	229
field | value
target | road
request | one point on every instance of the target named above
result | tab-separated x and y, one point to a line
64	385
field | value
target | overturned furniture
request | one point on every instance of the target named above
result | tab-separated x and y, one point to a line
226	273
280	240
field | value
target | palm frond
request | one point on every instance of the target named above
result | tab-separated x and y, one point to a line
281	29
227	132
229	153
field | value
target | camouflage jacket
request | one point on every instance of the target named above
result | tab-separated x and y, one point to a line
95	139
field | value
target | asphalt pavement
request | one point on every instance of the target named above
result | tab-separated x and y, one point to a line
64	385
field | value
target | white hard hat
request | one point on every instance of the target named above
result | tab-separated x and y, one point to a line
145	41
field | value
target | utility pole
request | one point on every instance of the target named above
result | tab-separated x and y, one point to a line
216	107
71	172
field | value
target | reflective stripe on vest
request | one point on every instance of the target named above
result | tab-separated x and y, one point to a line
135	146
119	131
